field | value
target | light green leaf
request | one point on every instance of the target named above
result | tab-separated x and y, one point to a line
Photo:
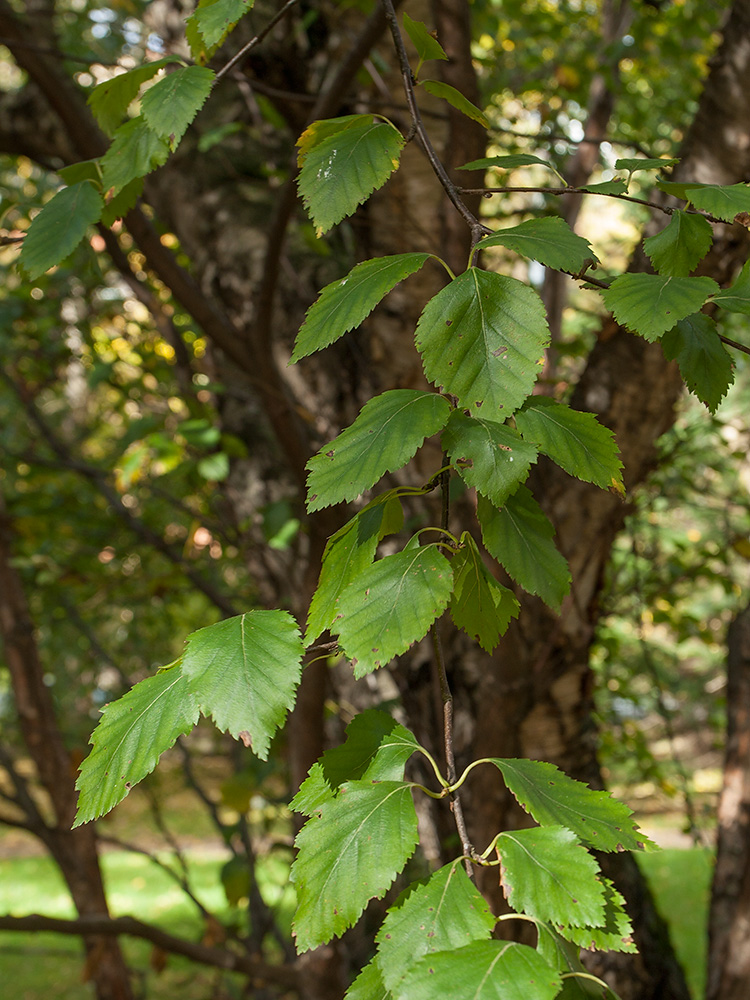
651	304
133	733
427	47
547	873
368	985
736	298
348	854
344	304
391	605
480	605
483	970
244	671
443	913
615	187
705	364
215	20
721	201
135	151
497	457
520	537
110	100
171	104
60	226
615	933
341	171
508	161
679	248
631	165
456	99
482	339
383	438
554	799
550	241
576	441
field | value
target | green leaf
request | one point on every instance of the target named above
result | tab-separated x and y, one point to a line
550	241
110	100
483	970
547	873
171	104
615	187
456	99
344	304
508	161
383	438
215	20
391	605
133	733
445	912
497	457
736	298
631	165
341	171
427	47
320	131
651	304
482	339
119	206
722	201
244	672
480	605
554	799
520	537
615	932
349	853
346	555
59	227
705	364
679	248
84	170
368	985
576	441
135	151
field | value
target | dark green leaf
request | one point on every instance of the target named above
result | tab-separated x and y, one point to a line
385	435
341	171
480	605
520	537
322	131
110	100
60	226
244	672
349	853
215	20
679	248
497	457
445	912
508	161
171	104
391	605
554	799
651	304
615	932
550	241
482	339
368	985
131	736
344	304
736	298
85	170
615	187
427	47
135	151
721	201
119	206
634	164
576	441
547	873
456	99
704	362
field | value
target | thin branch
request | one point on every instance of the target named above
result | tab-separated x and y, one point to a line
256	40
733	343
509	189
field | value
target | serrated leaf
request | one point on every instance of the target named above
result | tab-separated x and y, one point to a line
679	248
319	131
171	104
550	241
341	171
443	913
631	165
554	799
384	437
547	873
244	671
346	555
215	20
482	339
736	298
508	161
614	187
484	970
520	537
348	854
133	733
563	955
497	457
368	985
705	364
59	227
426	45
84	170
119	206
574	440
480	605
110	100
456	99
651	304
391	605
722	201
376	749
344	304
615	932
135	151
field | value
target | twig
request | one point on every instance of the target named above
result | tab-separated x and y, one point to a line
256	40
733	343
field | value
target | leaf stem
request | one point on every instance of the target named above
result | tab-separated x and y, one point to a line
594	979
